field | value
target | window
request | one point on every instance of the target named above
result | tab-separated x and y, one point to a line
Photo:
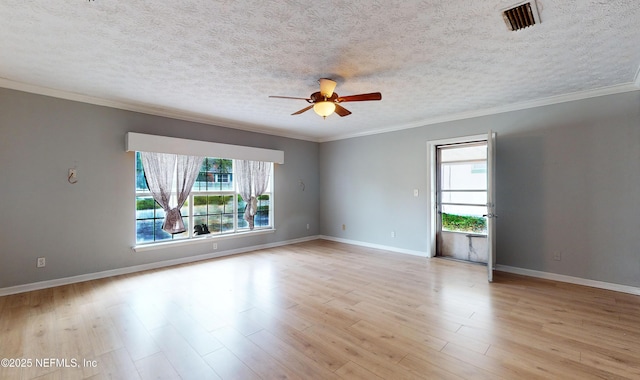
222	177
214	205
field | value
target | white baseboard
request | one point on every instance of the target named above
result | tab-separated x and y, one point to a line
509	269
569	279
167	263
375	246
139	268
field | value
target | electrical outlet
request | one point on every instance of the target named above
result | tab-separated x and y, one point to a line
416	192
557	256
393	234
42	262
344	227
307	225
215	245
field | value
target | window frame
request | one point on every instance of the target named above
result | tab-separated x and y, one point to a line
442	194
236	231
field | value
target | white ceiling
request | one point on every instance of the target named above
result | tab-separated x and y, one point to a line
217	61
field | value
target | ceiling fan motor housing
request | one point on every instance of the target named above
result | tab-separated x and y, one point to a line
318	97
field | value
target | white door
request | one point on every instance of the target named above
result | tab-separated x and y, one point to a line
491	203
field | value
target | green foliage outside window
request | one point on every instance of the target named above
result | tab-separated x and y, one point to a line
145	203
462	223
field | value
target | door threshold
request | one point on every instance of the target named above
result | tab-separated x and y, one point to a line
461	261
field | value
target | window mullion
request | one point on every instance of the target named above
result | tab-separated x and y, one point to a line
191	222
235	197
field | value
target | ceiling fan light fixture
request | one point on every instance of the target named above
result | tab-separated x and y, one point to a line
325	102
324	108
327	86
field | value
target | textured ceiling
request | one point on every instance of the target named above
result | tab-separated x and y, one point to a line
217	61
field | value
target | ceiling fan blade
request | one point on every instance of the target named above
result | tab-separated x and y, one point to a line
327	86
341	111
360	97
305	109
288	97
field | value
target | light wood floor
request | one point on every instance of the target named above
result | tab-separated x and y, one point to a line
321	310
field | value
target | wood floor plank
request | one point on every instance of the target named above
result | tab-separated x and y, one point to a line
355	372
183	357
102	333
547	365
13	325
136	338
201	340
318	310
319	350
156	366
487	363
405	341
116	364
290	357
40	339
228	366
253	356
613	362
430	371
72	337
376	359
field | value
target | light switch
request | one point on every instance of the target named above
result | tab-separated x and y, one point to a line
415	192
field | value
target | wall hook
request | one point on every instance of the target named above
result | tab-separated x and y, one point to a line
73	176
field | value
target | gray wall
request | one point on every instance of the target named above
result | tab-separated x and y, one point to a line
568	181
89	227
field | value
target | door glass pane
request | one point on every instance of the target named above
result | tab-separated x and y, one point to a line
468	219
472	197
463	176
467	152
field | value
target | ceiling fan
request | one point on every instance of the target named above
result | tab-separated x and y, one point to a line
325	102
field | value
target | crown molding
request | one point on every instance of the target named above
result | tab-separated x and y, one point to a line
225	123
147	109
603	91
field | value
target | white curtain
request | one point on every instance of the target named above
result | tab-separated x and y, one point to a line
160	170
252	178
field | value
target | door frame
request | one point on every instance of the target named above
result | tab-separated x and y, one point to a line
432	182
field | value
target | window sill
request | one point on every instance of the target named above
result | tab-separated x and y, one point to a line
199	240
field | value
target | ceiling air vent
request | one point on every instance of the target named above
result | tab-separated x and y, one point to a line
521	16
